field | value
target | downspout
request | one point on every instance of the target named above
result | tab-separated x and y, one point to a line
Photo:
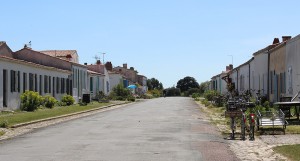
237	80
268	83
249	78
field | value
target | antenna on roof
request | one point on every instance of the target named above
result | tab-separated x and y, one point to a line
96	57
28	45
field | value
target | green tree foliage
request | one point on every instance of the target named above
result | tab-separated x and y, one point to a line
30	101
187	83
173	91
154	84
203	87
191	91
67	100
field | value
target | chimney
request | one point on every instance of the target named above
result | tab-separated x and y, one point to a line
286	38
85	63
230	66
276	41
227	68
108	66
98	62
125	65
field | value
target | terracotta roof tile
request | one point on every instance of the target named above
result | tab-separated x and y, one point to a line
59	53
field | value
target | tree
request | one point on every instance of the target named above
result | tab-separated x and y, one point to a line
204	86
187	83
154	84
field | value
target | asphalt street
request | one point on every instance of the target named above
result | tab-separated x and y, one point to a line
163	129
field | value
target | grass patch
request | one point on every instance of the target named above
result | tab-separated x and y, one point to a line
22	117
290	151
2	132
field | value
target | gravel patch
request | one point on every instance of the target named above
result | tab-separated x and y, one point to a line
258	150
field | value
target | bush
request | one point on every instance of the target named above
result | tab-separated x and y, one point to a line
155	93
4	124
195	95
173	91
131	98
191	91
210	94
49	101
119	93
30	101
67	100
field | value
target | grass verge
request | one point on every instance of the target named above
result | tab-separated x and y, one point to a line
290	151
2	132
22	117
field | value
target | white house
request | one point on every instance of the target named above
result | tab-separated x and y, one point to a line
293	66
17	76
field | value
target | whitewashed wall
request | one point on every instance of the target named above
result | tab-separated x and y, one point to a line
260	72
13	98
293	66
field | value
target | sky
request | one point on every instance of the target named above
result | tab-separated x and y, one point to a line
163	39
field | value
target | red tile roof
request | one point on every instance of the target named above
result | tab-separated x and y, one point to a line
60	53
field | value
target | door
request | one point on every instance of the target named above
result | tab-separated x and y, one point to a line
4	88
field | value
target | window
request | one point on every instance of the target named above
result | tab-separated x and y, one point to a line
24	82
68	86
57	85
49	84
62	85
13	81
271	83
40	85
35	83
19	81
31	81
91	84
45	84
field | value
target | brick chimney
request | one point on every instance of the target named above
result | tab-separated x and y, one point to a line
98	62
276	41
230	66
125	65
286	38
108	66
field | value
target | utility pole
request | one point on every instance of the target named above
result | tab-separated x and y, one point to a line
103	57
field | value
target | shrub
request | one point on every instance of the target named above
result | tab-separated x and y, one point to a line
119	93
155	93
30	101
195	95
210	94
173	91
4	124
49	101
67	100
131	98
191	91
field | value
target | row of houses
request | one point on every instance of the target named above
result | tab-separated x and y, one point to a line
273	70
56	73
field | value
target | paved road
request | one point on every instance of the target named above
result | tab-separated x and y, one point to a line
164	129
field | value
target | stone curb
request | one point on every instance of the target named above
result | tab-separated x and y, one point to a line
67	115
